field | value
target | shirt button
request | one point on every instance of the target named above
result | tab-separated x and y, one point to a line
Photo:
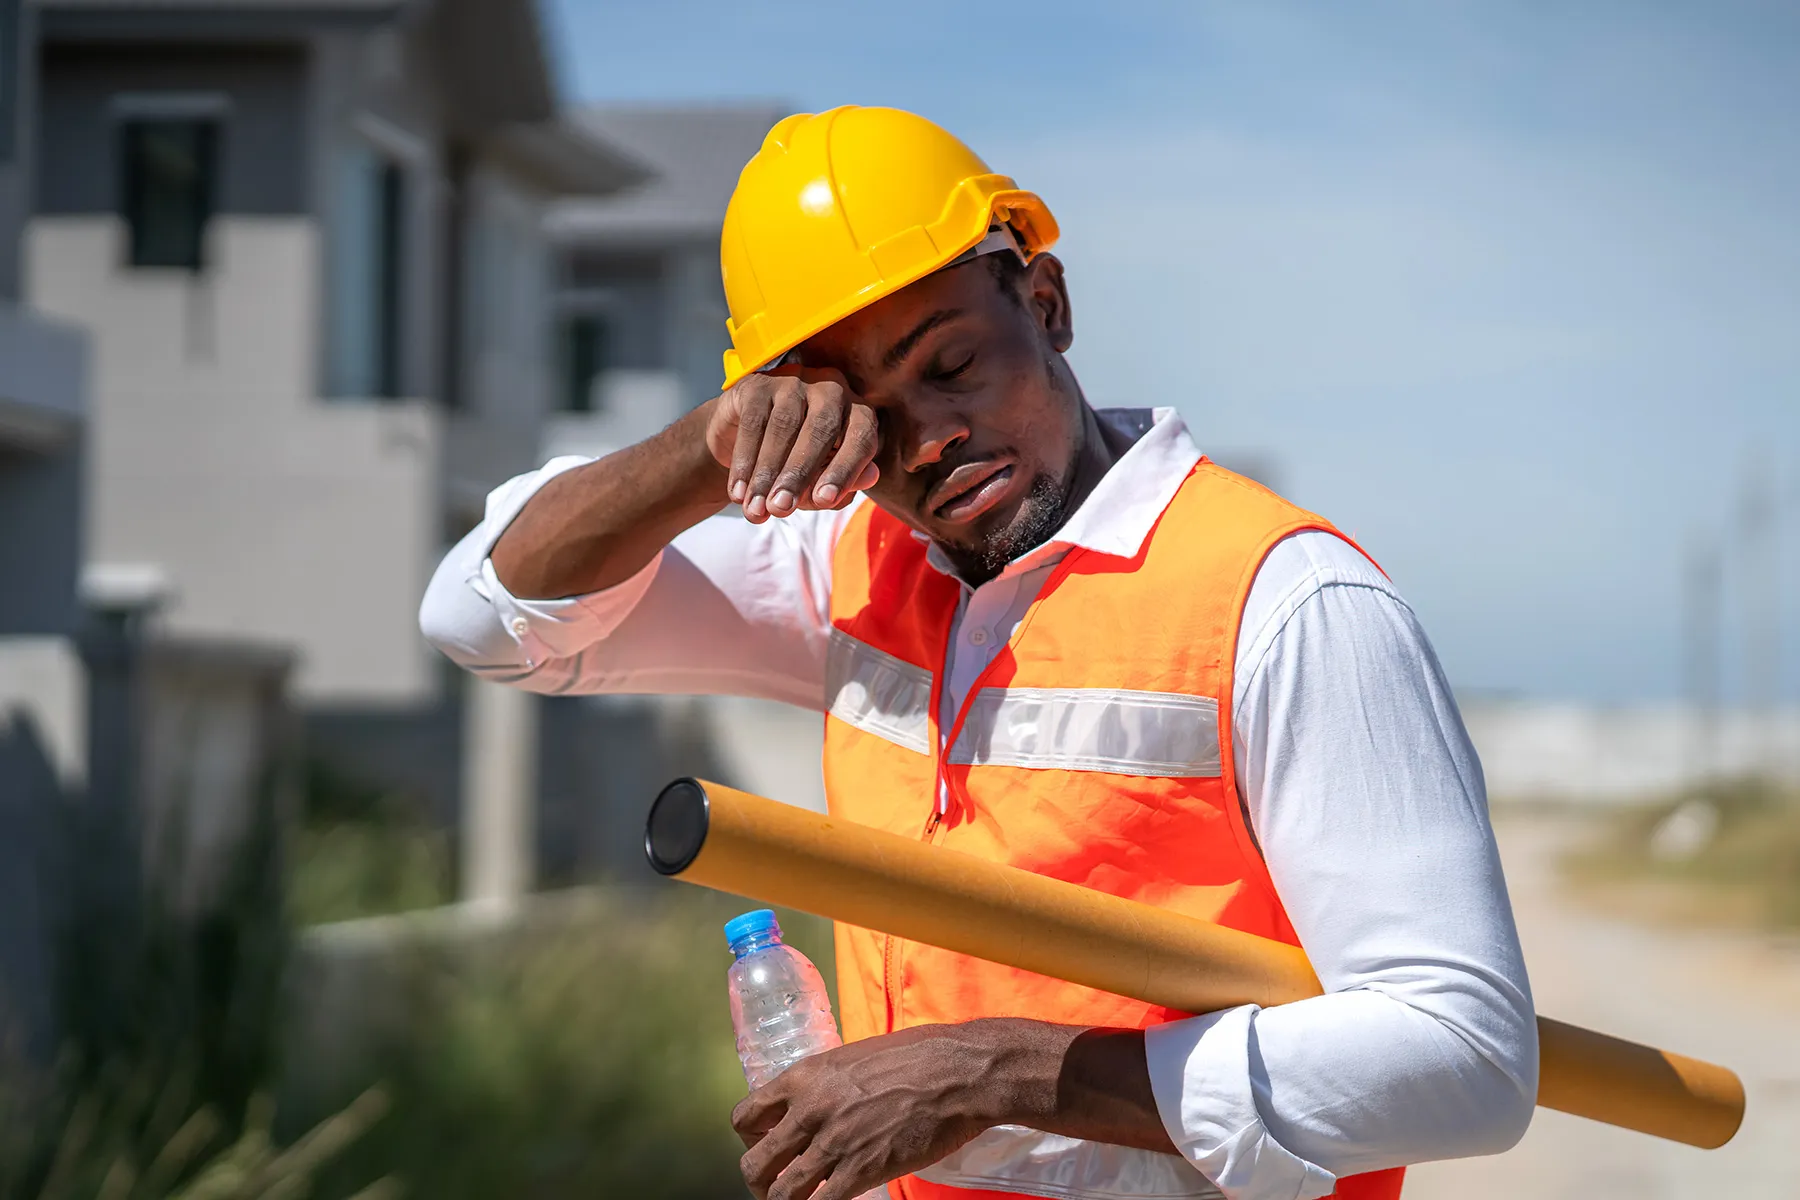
520	626
978	637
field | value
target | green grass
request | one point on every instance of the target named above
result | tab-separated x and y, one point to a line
345	869
360	851
1747	872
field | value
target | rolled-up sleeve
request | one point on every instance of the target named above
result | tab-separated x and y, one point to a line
1368	802
727	608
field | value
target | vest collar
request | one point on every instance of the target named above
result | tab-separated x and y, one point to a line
1124	506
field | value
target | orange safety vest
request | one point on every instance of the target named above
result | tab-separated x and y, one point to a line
1095	748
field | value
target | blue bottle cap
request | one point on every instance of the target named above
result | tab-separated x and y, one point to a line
752	924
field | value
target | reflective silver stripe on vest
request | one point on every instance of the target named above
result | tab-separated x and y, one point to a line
1011	1158
1092	729
878	693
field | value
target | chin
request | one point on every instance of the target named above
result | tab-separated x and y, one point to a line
1028	524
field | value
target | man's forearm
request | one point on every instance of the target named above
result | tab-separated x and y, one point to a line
1091	1084
883	1107
600	524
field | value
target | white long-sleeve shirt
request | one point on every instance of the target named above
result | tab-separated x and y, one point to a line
1352	763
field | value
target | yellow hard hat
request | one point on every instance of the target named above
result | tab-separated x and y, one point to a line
841	208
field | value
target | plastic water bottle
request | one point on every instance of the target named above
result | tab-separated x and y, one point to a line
778	1002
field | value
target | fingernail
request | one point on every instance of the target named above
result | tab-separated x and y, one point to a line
783	500
756	508
737	491
825	493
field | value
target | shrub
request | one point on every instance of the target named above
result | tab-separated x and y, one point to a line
585	1054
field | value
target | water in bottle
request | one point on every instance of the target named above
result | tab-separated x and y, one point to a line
778	1002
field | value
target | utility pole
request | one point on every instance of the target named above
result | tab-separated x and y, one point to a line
1702	617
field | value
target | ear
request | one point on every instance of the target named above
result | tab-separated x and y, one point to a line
1047	299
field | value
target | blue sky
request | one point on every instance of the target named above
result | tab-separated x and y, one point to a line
1510	290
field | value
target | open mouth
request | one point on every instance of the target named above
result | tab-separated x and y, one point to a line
971	490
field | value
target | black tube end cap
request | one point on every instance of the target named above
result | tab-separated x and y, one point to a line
676	828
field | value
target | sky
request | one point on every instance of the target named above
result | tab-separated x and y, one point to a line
1510	291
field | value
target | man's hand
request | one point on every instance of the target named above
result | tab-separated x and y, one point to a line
835	1125
793	439
774	443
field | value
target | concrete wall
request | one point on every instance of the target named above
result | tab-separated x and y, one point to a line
279	517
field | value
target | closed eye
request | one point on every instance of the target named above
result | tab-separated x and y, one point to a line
956	371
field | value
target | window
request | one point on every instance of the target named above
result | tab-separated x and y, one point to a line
367	310
584	357
168	189
390	228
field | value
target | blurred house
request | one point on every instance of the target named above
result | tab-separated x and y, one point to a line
42	395
306	240
640	305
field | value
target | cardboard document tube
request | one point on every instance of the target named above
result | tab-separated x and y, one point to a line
722	838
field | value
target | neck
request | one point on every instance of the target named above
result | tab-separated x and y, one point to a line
1101	447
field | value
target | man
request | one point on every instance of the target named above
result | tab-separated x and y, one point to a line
1052	637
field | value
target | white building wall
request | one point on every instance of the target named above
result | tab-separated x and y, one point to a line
43	686
277	515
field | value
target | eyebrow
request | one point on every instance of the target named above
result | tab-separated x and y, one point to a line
899	350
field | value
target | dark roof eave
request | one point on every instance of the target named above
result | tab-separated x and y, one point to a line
60	20
495	69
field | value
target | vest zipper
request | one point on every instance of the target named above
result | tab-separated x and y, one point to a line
934	824
890	964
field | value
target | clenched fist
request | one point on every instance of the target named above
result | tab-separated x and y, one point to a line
793	439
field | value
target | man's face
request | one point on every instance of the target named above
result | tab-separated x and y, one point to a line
981	420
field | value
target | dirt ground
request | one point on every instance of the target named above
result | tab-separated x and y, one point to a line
1731	997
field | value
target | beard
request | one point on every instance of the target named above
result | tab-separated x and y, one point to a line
1040	514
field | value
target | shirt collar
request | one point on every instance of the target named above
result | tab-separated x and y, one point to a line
1124	506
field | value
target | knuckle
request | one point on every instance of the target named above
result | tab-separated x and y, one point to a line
827	392
785	420
751	397
822	432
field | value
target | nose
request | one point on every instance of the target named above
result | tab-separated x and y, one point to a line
931	436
